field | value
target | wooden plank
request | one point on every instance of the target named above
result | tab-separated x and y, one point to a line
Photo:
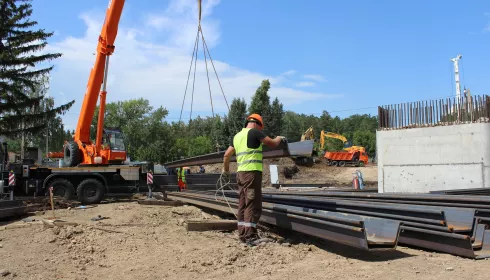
161	202
205	225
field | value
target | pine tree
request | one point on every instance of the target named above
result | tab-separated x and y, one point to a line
261	103
20	53
236	116
275	119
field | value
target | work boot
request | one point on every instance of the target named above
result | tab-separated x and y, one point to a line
256	241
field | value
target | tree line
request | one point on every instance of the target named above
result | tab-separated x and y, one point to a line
148	136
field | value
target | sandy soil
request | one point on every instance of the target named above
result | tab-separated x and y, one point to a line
150	242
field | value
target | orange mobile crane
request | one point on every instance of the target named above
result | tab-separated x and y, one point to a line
81	150
92	170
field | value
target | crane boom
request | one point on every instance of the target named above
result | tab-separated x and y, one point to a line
89	153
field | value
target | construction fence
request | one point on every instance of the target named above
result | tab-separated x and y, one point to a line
445	111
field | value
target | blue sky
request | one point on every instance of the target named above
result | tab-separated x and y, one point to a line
320	55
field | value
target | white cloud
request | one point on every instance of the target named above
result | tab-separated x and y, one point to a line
289	73
158	71
304	84
317	78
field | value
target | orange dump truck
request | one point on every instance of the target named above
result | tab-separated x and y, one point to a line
356	157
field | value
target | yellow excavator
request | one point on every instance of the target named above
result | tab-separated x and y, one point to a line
308	135
347	146
302	160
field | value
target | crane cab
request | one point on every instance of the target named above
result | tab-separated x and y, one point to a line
113	148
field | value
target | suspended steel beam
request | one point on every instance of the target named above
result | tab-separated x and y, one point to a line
302	148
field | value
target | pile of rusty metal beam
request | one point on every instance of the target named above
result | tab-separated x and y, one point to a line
457	225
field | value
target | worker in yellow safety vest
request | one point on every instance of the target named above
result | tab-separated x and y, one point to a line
181	178
247	145
183	171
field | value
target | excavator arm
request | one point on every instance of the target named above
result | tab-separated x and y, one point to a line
308	135
324	135
335	136
82	150
342	138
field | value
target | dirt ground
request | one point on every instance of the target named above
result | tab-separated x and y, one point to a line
151	242
319	173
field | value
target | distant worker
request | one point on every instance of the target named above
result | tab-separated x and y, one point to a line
180	178
182	182
202	170
247	144
177	171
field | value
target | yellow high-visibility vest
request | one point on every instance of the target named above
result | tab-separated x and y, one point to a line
247	159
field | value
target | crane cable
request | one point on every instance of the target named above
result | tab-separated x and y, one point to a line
221	184
194	59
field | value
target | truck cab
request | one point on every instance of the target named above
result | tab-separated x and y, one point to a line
113	146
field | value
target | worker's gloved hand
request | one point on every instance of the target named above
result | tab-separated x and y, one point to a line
283	139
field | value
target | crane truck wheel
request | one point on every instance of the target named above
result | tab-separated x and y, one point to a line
72	154
62	188
90	191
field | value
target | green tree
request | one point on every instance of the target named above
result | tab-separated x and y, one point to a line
53	134
20	55
146	134
260	103
367	139
198	126
219	134
179	149
276	118
13	145
324	123
236	116
200	145
291	128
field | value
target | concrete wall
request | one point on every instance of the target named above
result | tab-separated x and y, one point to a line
420	160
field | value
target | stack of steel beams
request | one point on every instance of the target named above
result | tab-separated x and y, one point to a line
324	186
476	191
198	182
11	208
368	233
457	225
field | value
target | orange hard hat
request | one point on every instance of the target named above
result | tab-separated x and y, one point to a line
256	118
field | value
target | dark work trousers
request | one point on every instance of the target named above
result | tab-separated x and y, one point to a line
250	203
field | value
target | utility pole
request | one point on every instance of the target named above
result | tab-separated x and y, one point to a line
456	76
456	80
